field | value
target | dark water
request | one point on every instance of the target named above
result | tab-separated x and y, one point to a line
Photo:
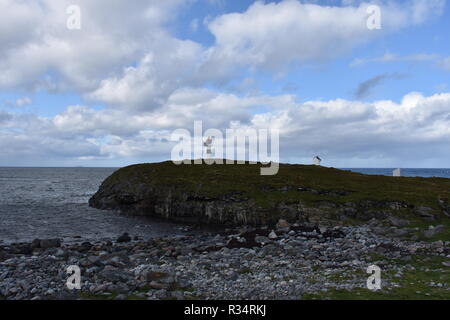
410	172
52	202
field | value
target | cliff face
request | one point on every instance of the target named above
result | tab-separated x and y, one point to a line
237	194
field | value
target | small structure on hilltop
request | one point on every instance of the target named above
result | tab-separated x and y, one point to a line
397	172
209	146
317	160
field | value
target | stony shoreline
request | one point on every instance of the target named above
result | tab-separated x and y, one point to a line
292	262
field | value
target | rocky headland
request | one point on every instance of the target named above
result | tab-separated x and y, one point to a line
236	195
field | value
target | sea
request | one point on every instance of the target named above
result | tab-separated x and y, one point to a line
41	203
408	172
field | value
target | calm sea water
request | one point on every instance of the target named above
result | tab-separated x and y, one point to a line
410	172
52	202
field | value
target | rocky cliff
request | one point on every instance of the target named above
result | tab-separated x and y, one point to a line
238	194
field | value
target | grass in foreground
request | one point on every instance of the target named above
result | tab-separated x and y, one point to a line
419	281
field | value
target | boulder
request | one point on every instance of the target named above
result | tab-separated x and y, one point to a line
36	243
155	275
425	212
283	225
433	231
262	239
21	249
50	243
273	235
124	238
397	222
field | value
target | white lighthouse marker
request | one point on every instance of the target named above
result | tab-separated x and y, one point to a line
317	160
208	144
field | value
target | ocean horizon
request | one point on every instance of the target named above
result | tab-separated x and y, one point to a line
405	172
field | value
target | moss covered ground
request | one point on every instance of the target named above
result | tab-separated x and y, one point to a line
311	184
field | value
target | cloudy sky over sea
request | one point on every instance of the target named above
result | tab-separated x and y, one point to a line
112	92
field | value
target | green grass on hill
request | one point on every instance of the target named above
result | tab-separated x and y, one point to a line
320	183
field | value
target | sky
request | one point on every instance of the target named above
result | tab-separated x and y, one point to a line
111	90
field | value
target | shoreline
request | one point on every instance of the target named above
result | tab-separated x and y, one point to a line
302	262
177	229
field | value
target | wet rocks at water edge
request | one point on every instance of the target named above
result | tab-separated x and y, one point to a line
49	243
124	238
290	262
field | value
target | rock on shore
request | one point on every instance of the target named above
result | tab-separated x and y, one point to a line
301	262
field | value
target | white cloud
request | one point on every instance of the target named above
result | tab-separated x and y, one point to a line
268	36
392	57
124	56
151	82
23	101
423	9
35	41
171	65
413	131
273	35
